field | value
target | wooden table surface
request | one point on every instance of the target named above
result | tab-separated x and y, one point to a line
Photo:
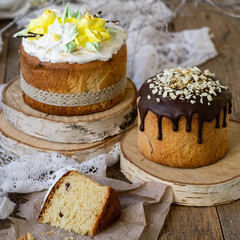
220	222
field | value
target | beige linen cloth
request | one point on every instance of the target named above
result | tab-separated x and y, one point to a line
144	208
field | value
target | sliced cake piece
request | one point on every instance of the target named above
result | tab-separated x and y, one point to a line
76	203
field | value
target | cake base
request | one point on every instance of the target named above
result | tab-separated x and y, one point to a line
205	186
66	129
20	144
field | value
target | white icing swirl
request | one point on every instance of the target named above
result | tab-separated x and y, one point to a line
48	51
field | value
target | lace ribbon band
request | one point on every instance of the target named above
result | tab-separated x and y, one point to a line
73	100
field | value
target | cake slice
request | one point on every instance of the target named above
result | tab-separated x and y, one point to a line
76	203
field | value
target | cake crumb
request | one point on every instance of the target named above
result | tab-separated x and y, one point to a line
27	236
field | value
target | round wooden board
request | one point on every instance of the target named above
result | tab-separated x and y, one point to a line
20	144
63	129
215	184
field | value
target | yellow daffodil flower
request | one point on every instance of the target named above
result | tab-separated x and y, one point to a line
87	31
90	29
40	25
72	20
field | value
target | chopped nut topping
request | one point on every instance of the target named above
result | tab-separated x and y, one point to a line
154	91
186	84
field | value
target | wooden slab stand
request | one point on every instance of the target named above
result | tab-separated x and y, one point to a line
20	144
63	129
215	184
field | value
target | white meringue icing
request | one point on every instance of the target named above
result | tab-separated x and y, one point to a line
48	51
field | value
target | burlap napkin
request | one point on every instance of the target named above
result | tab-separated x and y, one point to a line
144	208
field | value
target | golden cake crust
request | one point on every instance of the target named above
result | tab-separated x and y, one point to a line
181	148
109	213
73	78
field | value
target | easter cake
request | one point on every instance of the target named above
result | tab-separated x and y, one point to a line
183	118
72	63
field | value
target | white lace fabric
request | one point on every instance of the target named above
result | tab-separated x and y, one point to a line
150	50
37	172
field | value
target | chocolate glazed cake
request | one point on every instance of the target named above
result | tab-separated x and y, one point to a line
183	118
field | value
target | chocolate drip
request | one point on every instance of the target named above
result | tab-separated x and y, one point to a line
175	109
159	127
224	117
142	116
230	108
200	126
217	121
175	124
189	124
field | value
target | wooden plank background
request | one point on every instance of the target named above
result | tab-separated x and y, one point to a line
215	223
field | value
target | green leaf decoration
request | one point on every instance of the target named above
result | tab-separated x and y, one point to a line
23	32
111	31
73	30
66	13
70	13
78	15
70	47
92	46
